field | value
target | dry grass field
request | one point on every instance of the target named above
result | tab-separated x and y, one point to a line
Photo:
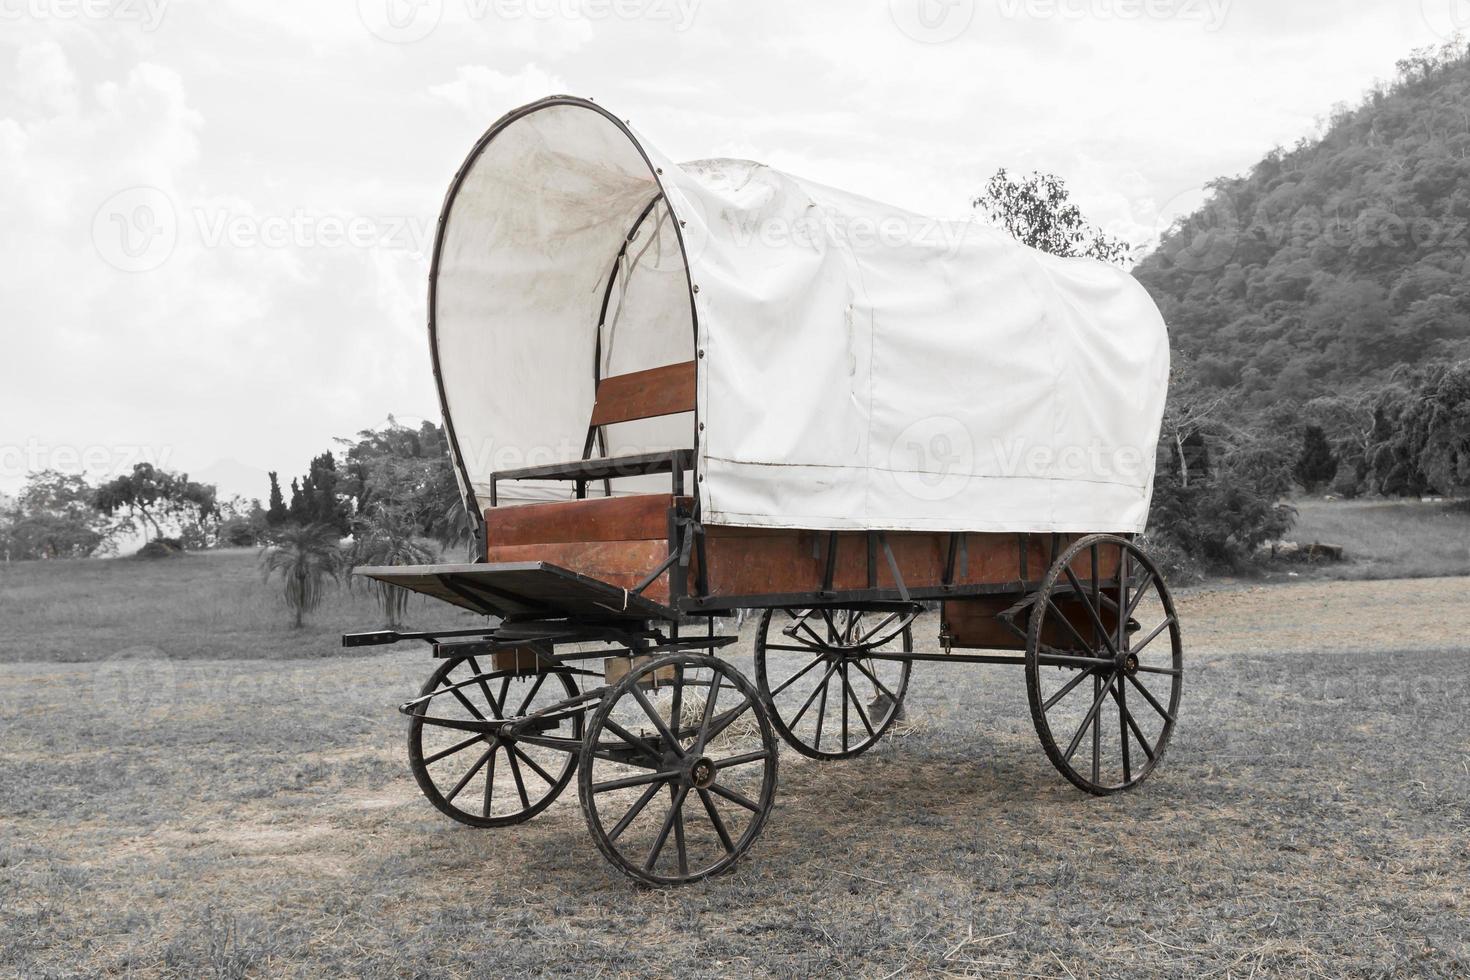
1387	538
239	805
213	605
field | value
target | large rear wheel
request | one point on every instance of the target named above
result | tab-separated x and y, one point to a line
1104	665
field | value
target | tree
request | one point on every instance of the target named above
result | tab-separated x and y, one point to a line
305	558
53	517
276	513
383	537
409	471
1316	465
153	495
1035	210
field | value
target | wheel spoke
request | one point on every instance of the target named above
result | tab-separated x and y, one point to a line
490	782
663	834
821	710
504	693
1171	671
877	629
453	749
676	720
1091	611
464	780
679	830
709	710
484	688
633	740
1091	714
876	682
633	811
540	679
714	818
515	771
795	677
726	720
734	796
627	781
1096	733
820	688
535	767
658	723
742	759
1157	630
1068	623
1123	731
1128	723
459	696
843	672
862	716
1141	590
821	643
1148	696
1068	688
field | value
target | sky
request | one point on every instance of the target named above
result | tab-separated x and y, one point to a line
217	214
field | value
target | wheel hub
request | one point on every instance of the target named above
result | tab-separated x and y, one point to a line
702	772
1128	662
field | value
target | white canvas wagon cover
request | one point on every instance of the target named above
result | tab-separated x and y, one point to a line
858	366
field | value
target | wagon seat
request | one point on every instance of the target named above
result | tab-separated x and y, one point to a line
619	540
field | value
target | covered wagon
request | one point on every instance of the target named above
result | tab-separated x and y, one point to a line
677	391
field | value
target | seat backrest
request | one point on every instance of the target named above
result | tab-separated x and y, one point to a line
667	390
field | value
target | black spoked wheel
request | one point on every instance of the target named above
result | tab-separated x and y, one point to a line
1104	687
830	692
489	780
678	770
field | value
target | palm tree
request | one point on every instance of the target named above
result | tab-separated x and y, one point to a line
305	557
384	536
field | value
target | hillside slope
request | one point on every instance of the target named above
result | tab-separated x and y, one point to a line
1334	261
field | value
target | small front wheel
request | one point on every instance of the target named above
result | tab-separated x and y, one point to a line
480	779
831	691
678	770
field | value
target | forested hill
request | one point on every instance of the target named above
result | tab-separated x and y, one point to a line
1332	262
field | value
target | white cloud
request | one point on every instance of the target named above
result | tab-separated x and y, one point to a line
486	94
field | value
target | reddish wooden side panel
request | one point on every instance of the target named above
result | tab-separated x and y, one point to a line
621	563
666	390
641	517
756	561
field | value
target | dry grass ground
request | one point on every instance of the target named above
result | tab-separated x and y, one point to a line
231	818
212	604
1387	538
